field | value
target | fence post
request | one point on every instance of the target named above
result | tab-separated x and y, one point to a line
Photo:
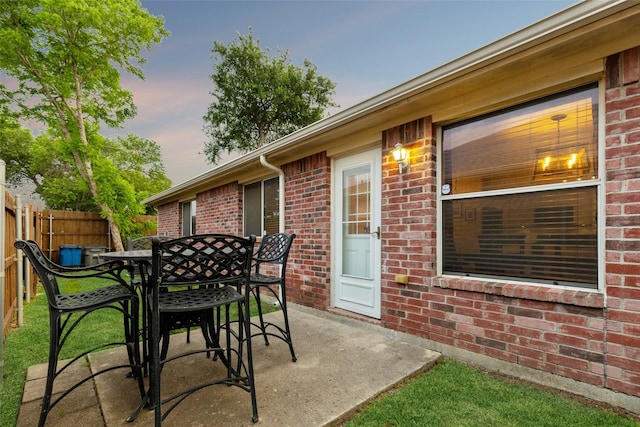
27	236
19	264
2	244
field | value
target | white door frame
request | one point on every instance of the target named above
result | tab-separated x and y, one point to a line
357	260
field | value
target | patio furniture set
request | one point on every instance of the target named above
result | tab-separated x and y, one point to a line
184	282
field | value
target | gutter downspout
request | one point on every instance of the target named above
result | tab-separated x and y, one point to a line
263	162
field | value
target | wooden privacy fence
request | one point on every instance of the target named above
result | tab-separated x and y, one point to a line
10	263
52	230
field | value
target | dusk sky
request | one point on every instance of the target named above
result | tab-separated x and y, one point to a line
364	47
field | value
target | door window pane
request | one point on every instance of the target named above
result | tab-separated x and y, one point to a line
356	203
356	222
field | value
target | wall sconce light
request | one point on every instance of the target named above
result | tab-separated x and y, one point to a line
401	156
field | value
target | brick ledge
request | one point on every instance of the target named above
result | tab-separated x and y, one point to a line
578	297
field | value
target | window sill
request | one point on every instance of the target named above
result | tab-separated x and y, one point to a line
536	292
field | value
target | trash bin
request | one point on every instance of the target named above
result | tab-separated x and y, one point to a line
92	254
70	255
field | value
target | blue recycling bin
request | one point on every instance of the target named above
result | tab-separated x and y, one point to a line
70	255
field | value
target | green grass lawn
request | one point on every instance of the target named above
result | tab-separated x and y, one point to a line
455	395
451	394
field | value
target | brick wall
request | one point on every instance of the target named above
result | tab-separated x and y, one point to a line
559	331
308	214
219	210
570	333
623	222
408	222
170	219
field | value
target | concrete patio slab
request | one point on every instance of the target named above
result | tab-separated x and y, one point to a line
341	365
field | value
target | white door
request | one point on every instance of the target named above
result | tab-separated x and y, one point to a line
356	233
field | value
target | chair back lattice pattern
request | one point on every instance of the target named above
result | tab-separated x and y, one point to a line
203	258
274	249
44	267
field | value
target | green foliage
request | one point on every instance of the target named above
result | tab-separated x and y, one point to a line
65	58
258	98
140	163
14	145
132	164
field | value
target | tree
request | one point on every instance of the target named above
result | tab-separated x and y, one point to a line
15	144
258	98
139	162
41	164
66	57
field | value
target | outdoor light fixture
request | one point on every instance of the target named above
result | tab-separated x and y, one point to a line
401	156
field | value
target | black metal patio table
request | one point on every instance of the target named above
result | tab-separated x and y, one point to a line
141	260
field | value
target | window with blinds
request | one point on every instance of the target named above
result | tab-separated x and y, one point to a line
261	207
519	193
189	218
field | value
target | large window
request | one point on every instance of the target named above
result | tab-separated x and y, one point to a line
519	192
261	207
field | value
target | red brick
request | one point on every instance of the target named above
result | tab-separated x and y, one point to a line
626	340
565	339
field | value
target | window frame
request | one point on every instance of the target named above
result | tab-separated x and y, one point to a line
598	183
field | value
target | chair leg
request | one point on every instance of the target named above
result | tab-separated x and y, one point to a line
165	334
128	334
283	306
144	333
210	331
245	322
256	293
54	337
133	344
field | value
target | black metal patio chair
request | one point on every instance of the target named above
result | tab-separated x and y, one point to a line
192	278
67	310
270	274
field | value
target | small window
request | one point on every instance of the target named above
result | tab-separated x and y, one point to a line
520	189
262	207
189	218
